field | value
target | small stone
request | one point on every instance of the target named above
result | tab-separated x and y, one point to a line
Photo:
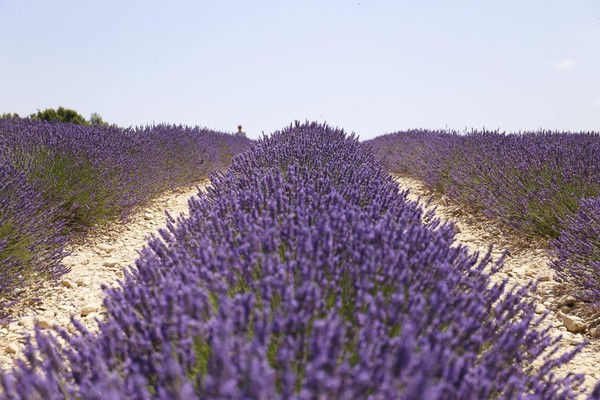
67	283
44	323
467	237
536	265
11	348
519	272
540	309
91	316
544	278
110	262
148	216
88	309
27	322
83	282
14	327
3	331
567	300
13	337
105	247
573	323
49	314
595	332
85	261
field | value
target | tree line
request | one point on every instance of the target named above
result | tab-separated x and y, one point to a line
61	114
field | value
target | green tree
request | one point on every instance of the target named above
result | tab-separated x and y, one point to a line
9	116
60	115
96	119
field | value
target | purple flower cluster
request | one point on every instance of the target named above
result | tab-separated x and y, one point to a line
303	273
577	250
529	181
60	178
31	242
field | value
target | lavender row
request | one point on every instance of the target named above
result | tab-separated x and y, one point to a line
544	184
31	241
303	273
577	251
58	179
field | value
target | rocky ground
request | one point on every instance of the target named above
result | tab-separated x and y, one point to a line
97	259
527	260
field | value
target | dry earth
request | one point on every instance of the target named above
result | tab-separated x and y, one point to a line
101	257
96	260
527	260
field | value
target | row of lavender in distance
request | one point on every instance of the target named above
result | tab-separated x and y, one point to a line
303	273
59	178
546	184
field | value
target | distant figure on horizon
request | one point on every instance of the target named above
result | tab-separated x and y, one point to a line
240	132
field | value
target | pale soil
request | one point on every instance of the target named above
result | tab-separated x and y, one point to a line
96	260
527	260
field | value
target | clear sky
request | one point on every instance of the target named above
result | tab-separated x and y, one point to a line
369	66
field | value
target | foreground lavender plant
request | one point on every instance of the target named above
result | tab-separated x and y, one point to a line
303	273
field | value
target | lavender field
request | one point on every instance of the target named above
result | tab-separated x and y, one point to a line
305	273
545	185
57	180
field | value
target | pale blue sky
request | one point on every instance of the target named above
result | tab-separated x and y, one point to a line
369	66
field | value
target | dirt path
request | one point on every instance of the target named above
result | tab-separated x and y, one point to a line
98	260
526	261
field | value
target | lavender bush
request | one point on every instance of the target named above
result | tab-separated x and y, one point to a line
577	250
530	181
303	273
31	242
57	179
